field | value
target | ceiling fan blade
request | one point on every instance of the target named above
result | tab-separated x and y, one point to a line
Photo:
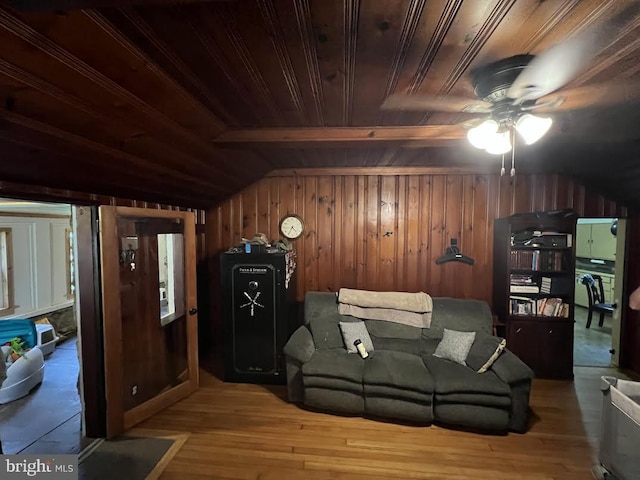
435	103
564	61
596	95
552	69
473	122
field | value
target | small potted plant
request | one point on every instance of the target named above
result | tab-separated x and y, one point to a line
17	348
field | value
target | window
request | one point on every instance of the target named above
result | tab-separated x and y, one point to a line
6	273
171	276
71	271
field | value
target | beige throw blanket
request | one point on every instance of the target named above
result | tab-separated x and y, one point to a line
413	319
418	302
413	309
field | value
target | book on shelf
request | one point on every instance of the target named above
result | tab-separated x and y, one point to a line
545	260
521	279
543	307
524	289
522	306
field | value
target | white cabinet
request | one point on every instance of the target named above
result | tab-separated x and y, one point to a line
595	240
583	240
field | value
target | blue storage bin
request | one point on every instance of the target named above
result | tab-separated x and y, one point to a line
25	329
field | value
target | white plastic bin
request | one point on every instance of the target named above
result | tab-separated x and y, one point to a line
47	338
620	430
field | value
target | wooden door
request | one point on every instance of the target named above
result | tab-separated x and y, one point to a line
556	349
523	341
149	307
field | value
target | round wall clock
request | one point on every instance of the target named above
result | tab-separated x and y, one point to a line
291	226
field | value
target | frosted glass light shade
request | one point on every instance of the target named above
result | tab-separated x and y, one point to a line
532	128
480	136
498	143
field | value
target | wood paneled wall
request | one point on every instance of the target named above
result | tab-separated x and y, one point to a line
384	232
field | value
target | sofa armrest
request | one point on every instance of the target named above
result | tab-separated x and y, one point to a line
300	346
510	369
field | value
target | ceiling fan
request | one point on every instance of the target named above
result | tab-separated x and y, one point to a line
511	93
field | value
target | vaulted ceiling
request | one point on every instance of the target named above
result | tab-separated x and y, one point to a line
187	103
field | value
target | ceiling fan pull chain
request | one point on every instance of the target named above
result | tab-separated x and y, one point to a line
502	170
513	152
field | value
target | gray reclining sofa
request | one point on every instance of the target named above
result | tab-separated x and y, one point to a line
401	378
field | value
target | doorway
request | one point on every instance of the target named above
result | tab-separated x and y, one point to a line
38	287
599	243
107	258
150	312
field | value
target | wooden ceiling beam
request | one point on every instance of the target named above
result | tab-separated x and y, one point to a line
32	6
327	137
375	171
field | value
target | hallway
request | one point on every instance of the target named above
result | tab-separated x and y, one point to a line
48	420
591	345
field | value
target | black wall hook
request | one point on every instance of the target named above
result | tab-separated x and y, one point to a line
453	254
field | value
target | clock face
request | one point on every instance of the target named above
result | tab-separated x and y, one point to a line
291	226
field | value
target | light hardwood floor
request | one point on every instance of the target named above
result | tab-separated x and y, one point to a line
241	431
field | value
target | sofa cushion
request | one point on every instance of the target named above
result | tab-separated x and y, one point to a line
335	363
484	399
429	345
398	344
334	400
352	331
399	370
472	416
398	408
455	345
466	315
314	381
385	391
484	352
383	329
451	377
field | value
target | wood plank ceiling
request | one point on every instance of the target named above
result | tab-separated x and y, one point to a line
168	102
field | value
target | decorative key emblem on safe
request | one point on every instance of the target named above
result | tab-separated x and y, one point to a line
252	300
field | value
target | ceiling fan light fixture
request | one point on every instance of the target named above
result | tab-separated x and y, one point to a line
498	143
532	128
481	135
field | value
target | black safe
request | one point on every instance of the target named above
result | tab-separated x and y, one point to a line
260	313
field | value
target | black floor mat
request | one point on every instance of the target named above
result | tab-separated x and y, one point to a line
130	458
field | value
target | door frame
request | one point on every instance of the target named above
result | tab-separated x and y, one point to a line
117	419
89	309
618	318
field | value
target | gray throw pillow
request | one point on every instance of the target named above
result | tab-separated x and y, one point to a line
455	345
352	331
484	351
